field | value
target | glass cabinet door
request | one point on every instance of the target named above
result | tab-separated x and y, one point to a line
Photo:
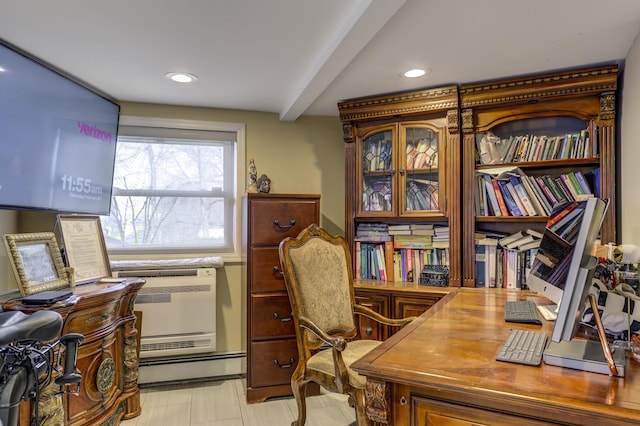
422	174
377	170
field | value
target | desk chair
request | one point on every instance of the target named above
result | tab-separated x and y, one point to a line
319	280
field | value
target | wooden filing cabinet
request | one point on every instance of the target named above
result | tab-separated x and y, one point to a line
271	343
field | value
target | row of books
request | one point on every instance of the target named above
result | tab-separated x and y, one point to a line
386	262
526	148
505	262
517	194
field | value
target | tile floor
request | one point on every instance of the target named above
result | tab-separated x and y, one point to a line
223	403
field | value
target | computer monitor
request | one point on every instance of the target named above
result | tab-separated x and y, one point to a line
564	267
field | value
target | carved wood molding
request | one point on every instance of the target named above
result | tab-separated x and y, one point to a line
378	396
405	103
585	82
347	132
467	121
608	106
453	122
131	361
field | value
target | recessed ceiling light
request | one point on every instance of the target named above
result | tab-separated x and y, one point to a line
181	77
416	72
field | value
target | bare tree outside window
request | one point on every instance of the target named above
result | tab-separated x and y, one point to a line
171	194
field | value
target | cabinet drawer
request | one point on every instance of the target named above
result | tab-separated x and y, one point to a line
271	317
429	412
369	328
264	275
411	306
273	362
89	320
272	222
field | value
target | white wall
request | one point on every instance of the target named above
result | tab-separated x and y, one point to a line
8	225
630	148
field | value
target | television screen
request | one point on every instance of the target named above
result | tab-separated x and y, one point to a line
57	139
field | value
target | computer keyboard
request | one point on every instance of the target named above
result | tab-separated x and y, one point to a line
523	347
523	311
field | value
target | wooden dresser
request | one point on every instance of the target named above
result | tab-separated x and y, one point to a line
271	342
107	357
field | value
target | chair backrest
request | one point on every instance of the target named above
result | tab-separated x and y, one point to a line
317	271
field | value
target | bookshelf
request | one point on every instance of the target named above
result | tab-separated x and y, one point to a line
554	134
402	159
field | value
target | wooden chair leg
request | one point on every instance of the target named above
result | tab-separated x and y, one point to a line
361	404
299	388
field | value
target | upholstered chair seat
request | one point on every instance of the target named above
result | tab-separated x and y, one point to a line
318	275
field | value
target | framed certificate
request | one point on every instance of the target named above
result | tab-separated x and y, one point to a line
84	247
36	262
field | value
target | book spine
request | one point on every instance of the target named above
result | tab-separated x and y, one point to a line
501	204
547	191
568	185
582	182
508	199
537	205
555	188
358	257
516	199
543	203
388	258
382	265
562	213
481	265
492	197
512	269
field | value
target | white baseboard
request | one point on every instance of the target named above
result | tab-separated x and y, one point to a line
155	371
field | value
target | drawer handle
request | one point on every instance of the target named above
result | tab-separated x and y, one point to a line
276	316
369	331
291	224
276	270
291	362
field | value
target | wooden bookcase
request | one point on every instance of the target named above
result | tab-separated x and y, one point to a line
542	105
385	182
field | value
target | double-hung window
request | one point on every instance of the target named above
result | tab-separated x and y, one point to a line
176	187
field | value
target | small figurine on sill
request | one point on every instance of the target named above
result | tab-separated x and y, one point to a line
264	184
252	185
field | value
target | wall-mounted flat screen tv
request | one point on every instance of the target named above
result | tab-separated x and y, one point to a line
57	139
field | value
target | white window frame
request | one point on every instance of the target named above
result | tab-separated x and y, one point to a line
240	130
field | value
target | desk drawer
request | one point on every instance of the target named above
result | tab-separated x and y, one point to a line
272	222
271	317
273	362
264	276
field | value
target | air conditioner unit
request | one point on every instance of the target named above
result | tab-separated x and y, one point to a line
178	311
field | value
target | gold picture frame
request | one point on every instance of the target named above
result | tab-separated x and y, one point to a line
84	247
36	262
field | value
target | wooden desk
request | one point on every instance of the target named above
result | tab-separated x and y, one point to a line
107	357
441	369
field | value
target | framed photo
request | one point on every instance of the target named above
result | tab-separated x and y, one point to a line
84	247
36	262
